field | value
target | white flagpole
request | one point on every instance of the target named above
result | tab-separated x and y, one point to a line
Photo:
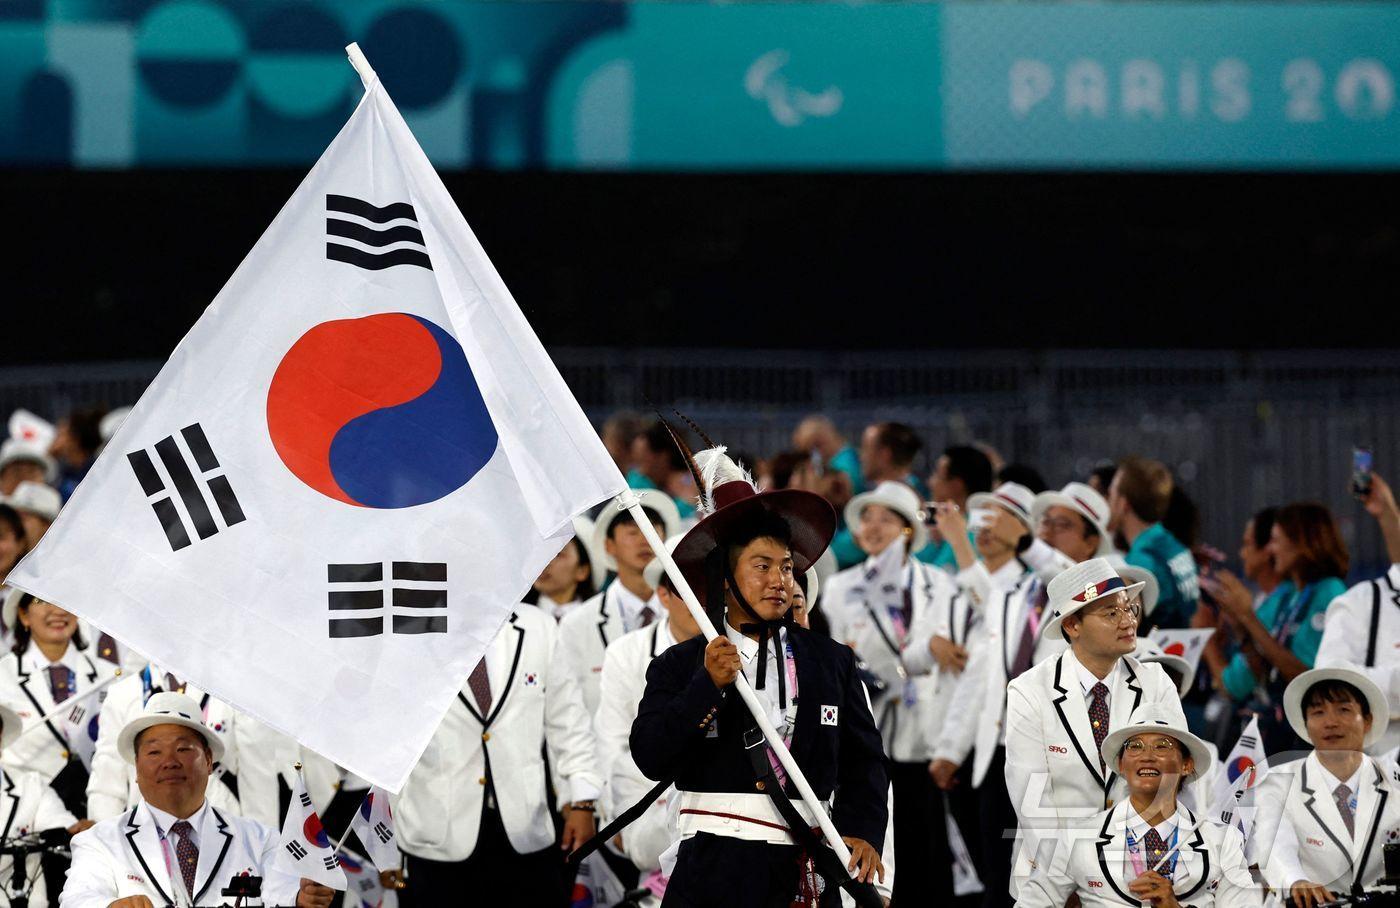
628	500
68	704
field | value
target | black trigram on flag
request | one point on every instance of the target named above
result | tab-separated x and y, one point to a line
186	482
331	862
417	593
1247	741
296	851
305	799
383	832
345	217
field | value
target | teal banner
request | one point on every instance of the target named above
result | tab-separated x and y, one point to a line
700	86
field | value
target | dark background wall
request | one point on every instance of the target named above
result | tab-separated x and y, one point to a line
117	265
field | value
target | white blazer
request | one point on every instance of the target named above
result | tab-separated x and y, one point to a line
46	750
624	680
908	730
1362	632
535	703
1052	765
112	782
1211	871
1299	834
122	857
585	632
977	725
264	756
28	804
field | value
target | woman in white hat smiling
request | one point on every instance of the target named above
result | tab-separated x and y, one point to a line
1149	848
1059	713
1322	822
889	609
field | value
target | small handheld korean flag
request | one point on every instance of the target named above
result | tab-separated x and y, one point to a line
1185	643
305	849
1244	768
363	889
373	824
350	470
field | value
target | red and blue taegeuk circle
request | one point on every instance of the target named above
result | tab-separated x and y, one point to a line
314	832
379	412
1238	767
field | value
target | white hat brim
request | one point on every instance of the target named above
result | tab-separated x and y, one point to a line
126	741
9	612
865	499
1051	629
1375	699
1201	753
652	499
1047	500
1182	667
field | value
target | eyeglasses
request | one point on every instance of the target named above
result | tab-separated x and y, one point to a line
1058	524
1116	613
1162	747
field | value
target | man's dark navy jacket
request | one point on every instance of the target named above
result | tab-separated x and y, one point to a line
842	754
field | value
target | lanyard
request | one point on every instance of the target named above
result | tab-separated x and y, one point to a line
1286	624
172	870
1139	861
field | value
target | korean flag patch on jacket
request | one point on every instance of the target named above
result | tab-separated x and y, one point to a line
829	715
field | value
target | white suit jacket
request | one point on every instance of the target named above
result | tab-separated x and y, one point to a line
535	703
112	783
1299	833
976	725
264	756
1362	632
624	679
122	857
908	730
1211	871
1052	764
28	804
585	632
45	750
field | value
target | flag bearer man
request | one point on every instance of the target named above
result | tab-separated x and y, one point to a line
744	840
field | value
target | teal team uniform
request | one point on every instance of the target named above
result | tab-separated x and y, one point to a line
1295	619
1158	551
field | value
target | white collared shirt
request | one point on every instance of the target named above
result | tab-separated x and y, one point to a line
768	694
1137	828
555	609
37	663
1354	784
1008	575
630	606
167	844
1087	682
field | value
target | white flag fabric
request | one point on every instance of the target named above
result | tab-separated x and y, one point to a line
305	850
965	879
348	473
1245	767
1187	643
373	823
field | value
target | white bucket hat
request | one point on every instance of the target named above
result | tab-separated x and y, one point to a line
652	499
1085	502
1156	720
167	708
583	532
1077	586
36	498
898	497
15	450
1009	496
9	612
653	572
1149	651
1298	688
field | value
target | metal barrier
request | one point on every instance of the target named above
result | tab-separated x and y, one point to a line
1240	430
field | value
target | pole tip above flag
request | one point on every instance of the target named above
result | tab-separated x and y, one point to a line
357	60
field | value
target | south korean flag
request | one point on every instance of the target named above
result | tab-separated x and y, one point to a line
305	849
325	506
